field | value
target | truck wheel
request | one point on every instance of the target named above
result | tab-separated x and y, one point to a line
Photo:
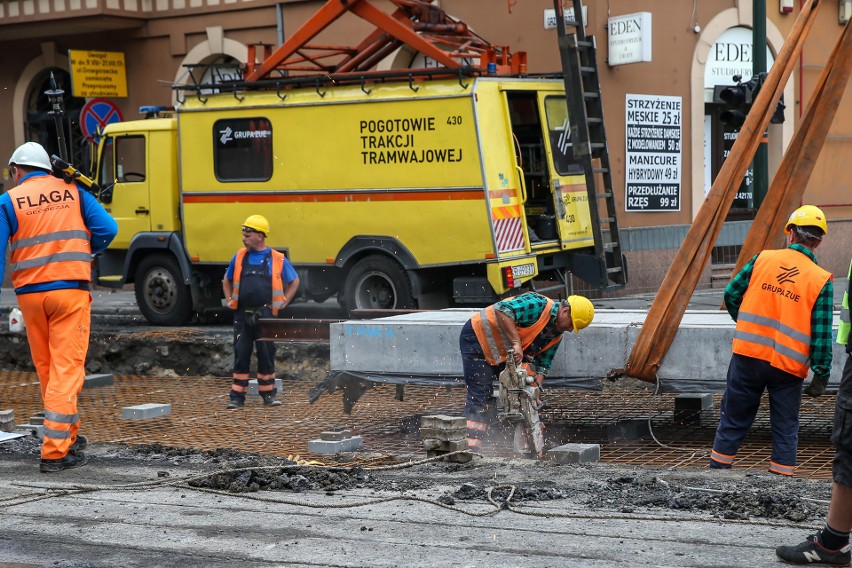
377	283
162	296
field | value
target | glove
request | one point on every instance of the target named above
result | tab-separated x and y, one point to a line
816	388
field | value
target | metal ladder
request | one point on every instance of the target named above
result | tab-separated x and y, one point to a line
589	143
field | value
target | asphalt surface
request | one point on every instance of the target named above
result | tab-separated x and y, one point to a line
132	513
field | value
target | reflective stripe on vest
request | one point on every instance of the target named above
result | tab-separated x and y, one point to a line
277	280
845	325
774	322
52	241
495	344
780	328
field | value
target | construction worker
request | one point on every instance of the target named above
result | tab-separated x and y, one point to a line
254	286
53	229
831	544
782	302
531	325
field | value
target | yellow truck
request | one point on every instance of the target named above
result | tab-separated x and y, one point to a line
430	194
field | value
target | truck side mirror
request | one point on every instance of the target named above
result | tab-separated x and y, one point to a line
105	194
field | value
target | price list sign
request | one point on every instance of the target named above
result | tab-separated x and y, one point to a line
653	153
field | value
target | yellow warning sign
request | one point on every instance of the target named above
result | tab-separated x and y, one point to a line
98	74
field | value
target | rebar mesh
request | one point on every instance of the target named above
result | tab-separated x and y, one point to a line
617	420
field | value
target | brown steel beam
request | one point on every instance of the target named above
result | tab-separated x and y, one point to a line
373	314
295	330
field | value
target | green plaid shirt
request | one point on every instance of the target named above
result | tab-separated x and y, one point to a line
525	311
821	316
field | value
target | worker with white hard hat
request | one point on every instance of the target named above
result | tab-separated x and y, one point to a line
53	227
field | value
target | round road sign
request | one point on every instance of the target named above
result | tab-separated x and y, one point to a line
96	114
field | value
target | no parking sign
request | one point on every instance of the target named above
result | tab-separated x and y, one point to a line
96	114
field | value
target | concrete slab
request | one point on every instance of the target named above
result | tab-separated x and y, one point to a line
445	445
693	401
443	434
99	380
252	387
335	447
144	411
443	421
688	407
575	453
335	435
36	430
426	344
7	420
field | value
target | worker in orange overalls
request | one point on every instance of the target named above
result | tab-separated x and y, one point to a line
530	324
53	228
783	303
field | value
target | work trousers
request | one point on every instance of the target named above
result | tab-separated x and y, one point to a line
747	379
479	376
246	336
841	434
58	333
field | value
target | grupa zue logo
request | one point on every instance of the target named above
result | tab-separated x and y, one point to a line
228	134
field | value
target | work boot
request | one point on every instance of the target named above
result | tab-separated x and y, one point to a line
234	404
70	461
80	444
271	401
813	552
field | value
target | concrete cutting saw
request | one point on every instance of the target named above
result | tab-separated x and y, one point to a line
520	398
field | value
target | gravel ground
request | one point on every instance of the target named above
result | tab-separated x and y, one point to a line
724	495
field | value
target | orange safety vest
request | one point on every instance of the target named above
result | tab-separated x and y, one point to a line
277	281
774	321
494	343
52	241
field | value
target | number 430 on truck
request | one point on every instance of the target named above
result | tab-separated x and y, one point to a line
412	191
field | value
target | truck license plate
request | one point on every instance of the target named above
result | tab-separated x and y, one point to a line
521	270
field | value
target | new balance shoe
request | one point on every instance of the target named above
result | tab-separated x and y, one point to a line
271	402
234	404
70	461
813	552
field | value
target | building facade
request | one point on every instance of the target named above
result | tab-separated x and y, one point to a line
661	54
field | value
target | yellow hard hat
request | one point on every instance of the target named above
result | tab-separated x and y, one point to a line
807	216
582	312
258	223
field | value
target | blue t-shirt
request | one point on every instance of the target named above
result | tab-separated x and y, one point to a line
288	273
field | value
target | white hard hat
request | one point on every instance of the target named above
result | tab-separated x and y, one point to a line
31	154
